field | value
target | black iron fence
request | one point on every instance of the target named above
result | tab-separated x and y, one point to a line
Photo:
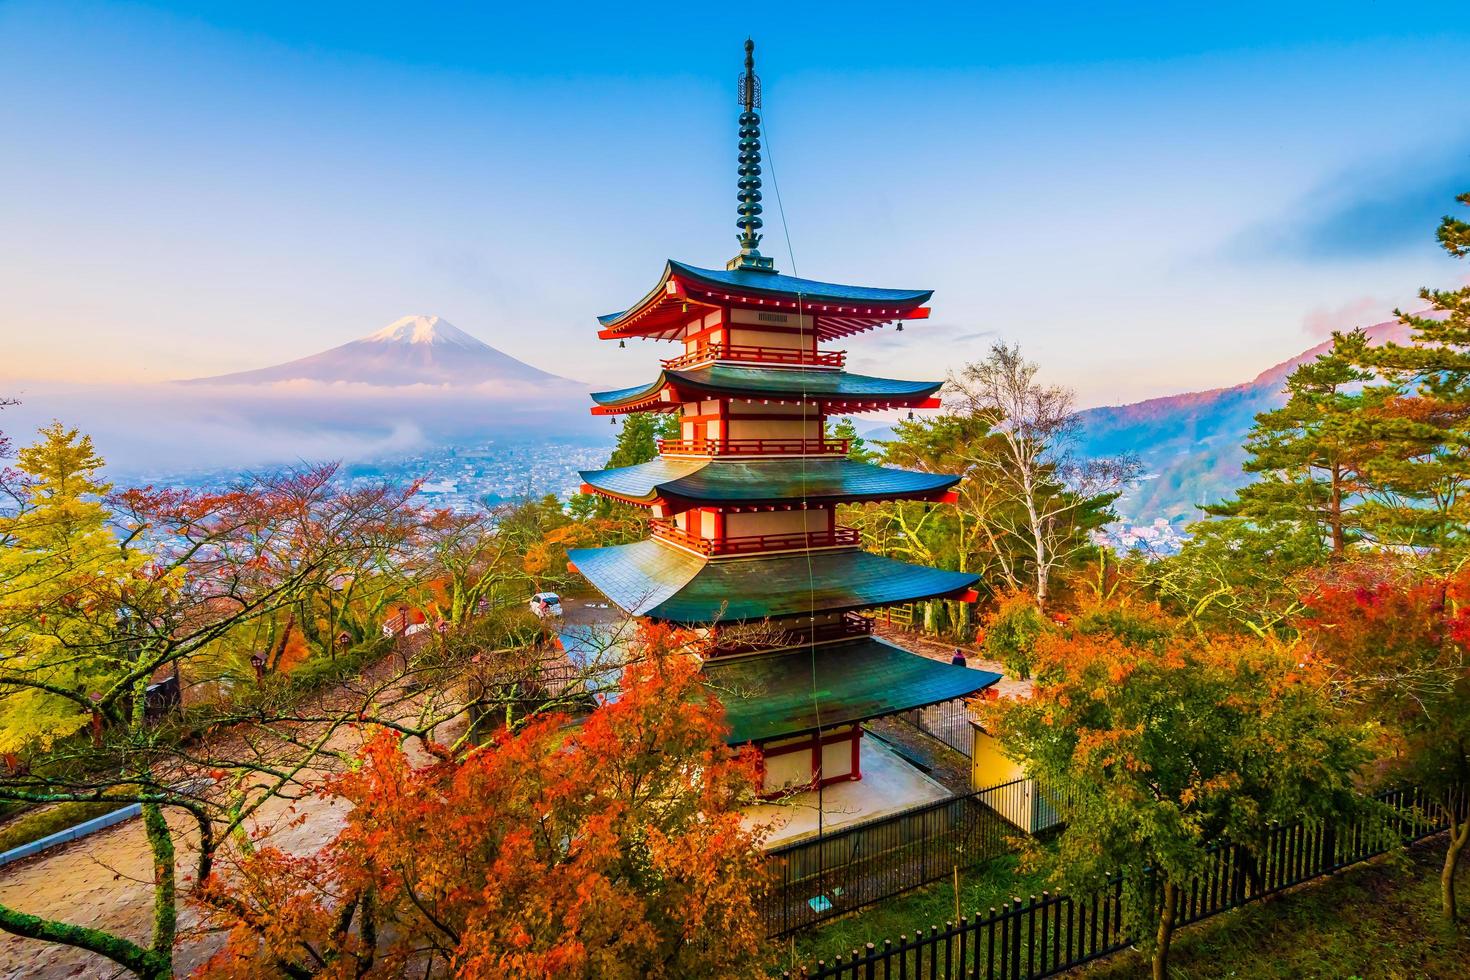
1043	935
815	879
948	721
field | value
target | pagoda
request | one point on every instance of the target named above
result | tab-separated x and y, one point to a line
744	500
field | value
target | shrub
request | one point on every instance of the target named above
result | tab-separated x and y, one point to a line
1011	631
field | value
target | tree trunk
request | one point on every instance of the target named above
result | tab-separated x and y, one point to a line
1334	511
1459	837
147	964
1166	930
165	899
273	657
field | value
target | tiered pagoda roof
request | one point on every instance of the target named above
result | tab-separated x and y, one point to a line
842	310
653	579
804	689
674	484
836	390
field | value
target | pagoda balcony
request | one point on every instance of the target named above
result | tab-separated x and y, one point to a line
758	355
842	537
754	447
850	626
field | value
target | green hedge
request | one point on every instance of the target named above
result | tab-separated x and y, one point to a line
47	820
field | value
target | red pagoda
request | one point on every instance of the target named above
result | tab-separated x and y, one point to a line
744	501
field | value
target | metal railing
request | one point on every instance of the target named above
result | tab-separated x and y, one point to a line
1044	935
841	537
758	355
846	869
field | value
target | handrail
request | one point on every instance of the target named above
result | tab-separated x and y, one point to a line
762	355
841	537
754	447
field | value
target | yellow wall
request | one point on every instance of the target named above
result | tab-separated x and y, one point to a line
1024	804
991	766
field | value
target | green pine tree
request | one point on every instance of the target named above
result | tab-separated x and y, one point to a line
639	435
1310	454
1427	466
637	443
857	446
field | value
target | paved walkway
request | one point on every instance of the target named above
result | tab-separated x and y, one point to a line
105	881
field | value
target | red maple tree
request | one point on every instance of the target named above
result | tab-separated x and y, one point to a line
1400	642
610	848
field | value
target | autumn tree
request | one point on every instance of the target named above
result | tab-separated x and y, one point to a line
1162	745
1235	575
345	609
11	486
1012	630
611	849
1400	642
470	563
59	566
109	608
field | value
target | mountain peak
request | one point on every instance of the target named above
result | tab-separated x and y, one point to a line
422	328
415	350
1191	443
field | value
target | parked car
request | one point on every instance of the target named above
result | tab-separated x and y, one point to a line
546	604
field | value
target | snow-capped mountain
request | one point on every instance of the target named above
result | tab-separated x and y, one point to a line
416	350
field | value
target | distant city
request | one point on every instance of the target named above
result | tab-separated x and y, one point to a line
464	479
1156	540
459	478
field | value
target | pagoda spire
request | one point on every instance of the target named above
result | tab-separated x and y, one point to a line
749	184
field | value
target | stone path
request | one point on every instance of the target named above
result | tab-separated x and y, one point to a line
105	881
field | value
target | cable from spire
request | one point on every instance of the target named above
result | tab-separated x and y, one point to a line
749	184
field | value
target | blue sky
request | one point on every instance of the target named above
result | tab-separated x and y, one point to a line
1149	198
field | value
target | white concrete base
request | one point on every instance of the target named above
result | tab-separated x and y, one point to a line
889	784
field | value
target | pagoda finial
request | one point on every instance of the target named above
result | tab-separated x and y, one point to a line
749	222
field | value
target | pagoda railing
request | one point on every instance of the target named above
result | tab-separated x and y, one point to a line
851	624
841	537
759	355
754	447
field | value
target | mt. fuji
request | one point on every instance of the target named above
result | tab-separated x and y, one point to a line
416	350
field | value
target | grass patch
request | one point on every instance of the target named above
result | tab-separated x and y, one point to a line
981	887
48	820
1378	921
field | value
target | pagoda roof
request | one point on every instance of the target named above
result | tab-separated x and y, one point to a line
653	579
757	382
681	483
775	695
841	310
